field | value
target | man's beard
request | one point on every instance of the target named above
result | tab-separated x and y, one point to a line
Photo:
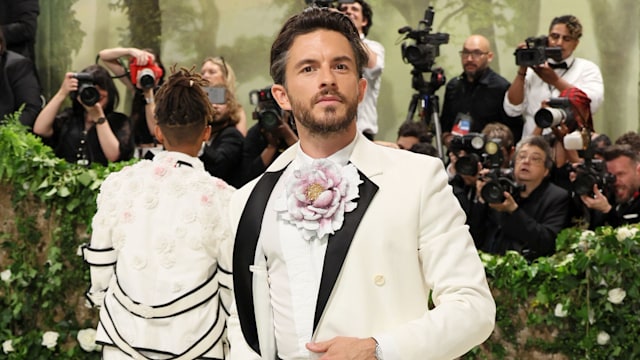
331	123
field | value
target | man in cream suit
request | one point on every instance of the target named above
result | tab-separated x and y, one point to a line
341	241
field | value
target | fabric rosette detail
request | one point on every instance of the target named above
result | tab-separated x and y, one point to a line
317	196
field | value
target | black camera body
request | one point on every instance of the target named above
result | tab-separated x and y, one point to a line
479	150
497	183
592	172
87	90
420	47
327	3
558	112
267	111
537	52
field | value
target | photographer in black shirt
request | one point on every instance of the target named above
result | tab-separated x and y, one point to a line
271	135
624	206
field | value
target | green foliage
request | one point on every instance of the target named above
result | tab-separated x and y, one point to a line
581	302
43	278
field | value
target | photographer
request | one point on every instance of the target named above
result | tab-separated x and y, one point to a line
537	83
474	98
623	162
90	130
471	165
360	12
143	104
264	144
222	153
526	220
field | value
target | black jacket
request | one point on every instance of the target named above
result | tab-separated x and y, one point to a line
483	100
531	229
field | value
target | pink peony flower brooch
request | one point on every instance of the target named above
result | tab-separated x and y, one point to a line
317	196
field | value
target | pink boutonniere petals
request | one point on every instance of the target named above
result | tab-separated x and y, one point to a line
317	196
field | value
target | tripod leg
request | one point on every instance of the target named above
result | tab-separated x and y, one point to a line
412	108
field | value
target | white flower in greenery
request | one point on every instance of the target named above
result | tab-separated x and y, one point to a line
50	339
560	311
87	340
586	235
7	346
616	295
6	275
592	316
603	338
625	233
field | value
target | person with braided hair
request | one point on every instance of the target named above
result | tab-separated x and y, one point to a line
160	251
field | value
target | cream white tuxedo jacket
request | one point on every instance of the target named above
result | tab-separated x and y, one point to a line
407	237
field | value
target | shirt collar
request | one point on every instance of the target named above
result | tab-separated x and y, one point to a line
340	157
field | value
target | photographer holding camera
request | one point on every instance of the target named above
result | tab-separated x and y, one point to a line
222	153
525	216
272	134
623	162
141	74
490	150
90	130
541	77
360	12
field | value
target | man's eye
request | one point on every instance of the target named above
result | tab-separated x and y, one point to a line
307	69
341	67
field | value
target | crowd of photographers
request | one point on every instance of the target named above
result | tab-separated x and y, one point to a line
523	157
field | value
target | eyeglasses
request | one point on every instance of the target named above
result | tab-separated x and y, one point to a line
532	158
565	38
475	54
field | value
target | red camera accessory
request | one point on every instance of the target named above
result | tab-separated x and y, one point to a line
145	75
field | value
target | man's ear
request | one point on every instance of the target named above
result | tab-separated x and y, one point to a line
362	86
206	134
158	134
280	95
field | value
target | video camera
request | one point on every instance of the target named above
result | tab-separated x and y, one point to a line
267	111
327	3
478	150
558	112
87	90
421	48
145	75
537	52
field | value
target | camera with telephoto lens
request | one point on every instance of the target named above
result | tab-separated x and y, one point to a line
537	52
145	75
87	91
327	3
558	112
267	111
420	48
478	151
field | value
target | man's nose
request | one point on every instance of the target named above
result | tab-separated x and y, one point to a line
327	77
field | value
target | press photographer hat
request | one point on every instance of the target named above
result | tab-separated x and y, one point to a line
580	102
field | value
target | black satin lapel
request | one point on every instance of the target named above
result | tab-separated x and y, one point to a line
338	246
244	251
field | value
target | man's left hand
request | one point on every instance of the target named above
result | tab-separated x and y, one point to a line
508	205
345	348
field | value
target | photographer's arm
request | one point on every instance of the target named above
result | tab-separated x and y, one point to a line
43	125
110	58
109	143
515	93
150	109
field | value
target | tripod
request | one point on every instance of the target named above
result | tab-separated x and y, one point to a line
429	103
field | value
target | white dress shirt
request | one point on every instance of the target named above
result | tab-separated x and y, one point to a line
581	73
294	268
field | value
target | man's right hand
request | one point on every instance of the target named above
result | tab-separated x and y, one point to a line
597	202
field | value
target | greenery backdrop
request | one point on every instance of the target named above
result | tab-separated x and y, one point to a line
71	32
